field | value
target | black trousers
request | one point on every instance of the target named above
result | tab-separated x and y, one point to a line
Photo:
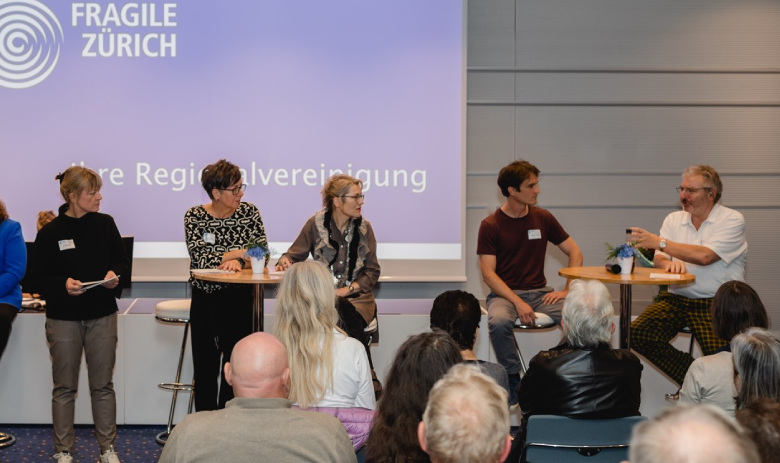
7	316
353	323
218	321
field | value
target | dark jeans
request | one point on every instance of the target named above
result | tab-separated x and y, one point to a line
218	321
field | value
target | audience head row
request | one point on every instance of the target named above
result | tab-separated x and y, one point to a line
692	434
466	419
756	356
735	308
419	362
457	313
588	314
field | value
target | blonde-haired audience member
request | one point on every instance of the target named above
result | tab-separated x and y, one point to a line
466	419
328	368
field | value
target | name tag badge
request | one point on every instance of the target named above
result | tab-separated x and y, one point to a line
209	238
66	244
534	234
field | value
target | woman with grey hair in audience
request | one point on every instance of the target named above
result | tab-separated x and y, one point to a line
756	366
584	377
710	379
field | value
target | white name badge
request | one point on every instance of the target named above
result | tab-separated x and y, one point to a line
534	234
66	244
209	238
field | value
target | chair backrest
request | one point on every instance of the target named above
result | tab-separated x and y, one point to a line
560	439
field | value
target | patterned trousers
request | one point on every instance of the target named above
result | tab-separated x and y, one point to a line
662	320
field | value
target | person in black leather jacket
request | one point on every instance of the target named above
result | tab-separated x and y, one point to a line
584	377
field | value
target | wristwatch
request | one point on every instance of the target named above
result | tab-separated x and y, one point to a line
351	288
241	261
662	245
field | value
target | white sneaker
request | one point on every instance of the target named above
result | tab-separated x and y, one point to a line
109	456
63	457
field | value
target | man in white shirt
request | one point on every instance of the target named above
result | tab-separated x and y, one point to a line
705	239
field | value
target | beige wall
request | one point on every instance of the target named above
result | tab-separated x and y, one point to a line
612	100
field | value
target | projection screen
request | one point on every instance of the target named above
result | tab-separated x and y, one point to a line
292	91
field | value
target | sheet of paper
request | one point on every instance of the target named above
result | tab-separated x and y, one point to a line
666	276
208	271
91	284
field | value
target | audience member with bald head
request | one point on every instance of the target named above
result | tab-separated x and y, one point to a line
259	423
692	434
258	368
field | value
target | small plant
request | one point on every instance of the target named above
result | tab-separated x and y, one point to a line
256	248
627	250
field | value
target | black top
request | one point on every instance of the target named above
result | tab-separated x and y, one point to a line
84	249
584	383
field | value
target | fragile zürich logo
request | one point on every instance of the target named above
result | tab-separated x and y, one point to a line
30	42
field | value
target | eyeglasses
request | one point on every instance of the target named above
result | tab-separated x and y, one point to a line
237	190
360	197
688	191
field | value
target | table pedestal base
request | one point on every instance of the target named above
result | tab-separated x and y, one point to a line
625	316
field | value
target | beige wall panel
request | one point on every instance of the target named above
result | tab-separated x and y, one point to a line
491	33
491	86
639	34
490	138
625	190
649	139
636	88
483	191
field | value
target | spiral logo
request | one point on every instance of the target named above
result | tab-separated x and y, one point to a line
30	41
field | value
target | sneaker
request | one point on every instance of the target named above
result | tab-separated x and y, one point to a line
514	381
63	457
109	456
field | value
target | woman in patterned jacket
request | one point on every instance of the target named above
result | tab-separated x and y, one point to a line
217	235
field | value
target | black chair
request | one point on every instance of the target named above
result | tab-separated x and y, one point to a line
559	439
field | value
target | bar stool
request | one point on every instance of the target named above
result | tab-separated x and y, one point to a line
676	395
6	440
175	311
543	322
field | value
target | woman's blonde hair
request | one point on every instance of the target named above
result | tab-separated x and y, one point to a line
305	316
336	187
76	179
44	217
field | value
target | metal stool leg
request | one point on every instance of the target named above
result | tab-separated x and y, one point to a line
175	387
520	356
6	440
676	395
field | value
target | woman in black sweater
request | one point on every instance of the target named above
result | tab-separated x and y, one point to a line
81	246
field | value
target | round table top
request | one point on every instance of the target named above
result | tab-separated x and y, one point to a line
640	276
244	276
